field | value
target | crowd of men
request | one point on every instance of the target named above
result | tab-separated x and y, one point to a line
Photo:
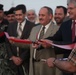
40	57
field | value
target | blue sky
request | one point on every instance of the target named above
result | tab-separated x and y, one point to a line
33	4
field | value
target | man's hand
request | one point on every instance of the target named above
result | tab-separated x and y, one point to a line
50	61
16	60
35	46
45	43
12	42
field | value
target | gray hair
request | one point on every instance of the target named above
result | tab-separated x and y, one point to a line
31	10
50	11
71	1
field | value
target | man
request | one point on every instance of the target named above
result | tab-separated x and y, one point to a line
60	14
65	34
31	16
59	17
20	29
4	46
3	22
11	15
49	29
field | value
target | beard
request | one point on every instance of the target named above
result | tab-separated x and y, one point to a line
58	21
1	18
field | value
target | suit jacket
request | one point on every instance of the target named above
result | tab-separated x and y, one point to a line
12	31
63	35
45	53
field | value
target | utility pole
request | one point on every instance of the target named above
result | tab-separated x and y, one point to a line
12	4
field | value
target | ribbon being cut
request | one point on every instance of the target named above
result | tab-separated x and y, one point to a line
17	40
26	41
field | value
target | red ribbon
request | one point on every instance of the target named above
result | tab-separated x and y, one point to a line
17	40
68	47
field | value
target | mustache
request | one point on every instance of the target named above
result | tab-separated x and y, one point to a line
40	19
18	19
11	19
57	18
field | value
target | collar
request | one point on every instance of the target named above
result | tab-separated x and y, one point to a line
46	26
23	22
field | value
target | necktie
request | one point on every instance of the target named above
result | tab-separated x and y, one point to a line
73	31
38	52
42	33
19	31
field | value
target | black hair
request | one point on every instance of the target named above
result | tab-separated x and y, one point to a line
1	6
11	11
21	7
64	9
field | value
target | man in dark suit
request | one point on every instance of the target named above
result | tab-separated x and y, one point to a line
11	15
59	16
19	56
65	34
